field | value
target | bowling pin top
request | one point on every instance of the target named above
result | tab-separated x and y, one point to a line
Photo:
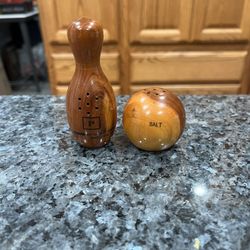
86	37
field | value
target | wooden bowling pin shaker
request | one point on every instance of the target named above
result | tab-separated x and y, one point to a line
91	105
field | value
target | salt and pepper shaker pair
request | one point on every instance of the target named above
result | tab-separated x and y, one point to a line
153	119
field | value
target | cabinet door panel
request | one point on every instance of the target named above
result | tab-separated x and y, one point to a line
60	13
198	89
194	66
64	67
159	21
221	20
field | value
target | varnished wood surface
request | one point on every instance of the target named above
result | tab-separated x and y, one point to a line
245	85
157	27
187	66
56	15
189	88
221	20
62	12
62	89
91	105
154	119
124	47
64	66
159	21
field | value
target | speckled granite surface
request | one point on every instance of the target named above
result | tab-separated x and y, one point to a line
56	195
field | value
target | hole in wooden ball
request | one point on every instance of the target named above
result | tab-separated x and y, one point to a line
96	108
87	94
79	98
80	108
88	113
87	103
96	97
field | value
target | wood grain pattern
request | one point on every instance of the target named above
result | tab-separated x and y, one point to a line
187	66
48	25
124	47
154	119
91	105
191	88
159	21
64	66
61	90
64	12
245	83
141	35
221	20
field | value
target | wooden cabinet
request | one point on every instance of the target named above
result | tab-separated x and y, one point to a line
63	66
159	21
189	46
55	16
58	14
187	66
221	20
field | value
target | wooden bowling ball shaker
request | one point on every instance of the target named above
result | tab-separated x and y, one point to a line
154	119
91	104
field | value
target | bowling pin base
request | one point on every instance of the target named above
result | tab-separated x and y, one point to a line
90	142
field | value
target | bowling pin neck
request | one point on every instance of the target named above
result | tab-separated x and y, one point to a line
85	39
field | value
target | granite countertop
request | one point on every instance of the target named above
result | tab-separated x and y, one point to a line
54	194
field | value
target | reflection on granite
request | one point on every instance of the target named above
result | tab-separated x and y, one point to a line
56	194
